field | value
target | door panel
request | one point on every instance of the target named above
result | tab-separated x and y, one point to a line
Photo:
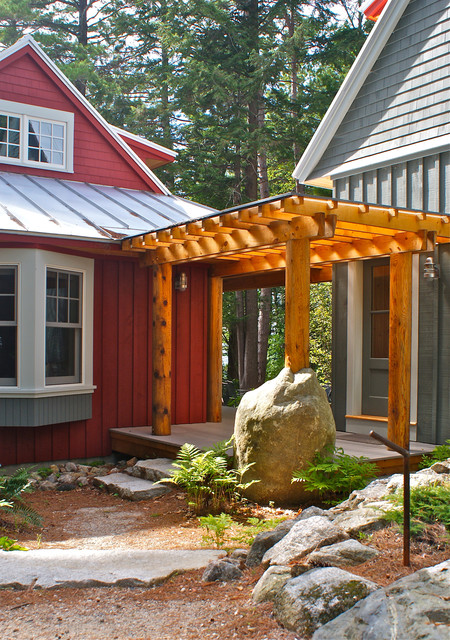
375	369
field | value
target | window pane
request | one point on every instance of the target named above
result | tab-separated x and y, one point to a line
58	131
62	310
14	123
7	280
51	283
380	335
33	154
46	142
8	353
58	145
63	284
74	286
57	158
3	121
74	311
33	126
51	309
13	137
61	352
44	156
7	308
3	135
380	288
46	129
13	152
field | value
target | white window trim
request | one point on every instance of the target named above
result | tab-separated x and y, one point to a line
27	111
32	267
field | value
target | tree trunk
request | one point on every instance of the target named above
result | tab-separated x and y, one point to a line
250	379
265	305
240	332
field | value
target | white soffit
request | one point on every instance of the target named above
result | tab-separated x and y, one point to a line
54	207
344	98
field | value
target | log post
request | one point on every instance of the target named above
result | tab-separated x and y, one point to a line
162	349
214	383
297	304
400	348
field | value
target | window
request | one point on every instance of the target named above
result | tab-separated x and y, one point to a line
63	327
9	136
8	325
35	136
46	142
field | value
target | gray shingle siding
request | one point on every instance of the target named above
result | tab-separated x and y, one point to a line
422	184
406	97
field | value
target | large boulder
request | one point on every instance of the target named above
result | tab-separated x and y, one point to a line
415	607
279	428
316	597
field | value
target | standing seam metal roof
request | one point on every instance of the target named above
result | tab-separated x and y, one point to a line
55	207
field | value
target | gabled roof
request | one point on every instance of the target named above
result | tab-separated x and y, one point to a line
27	43
353	82
154	155
54	207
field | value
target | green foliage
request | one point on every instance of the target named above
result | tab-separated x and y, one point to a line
247	532
11	490
44	472
96	463
429	505
335	474
206	476
440	453
216	527
7	544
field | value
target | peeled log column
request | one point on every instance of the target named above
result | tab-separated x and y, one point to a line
162	349
400	348
297	304
214	383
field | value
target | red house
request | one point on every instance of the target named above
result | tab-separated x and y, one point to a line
75	309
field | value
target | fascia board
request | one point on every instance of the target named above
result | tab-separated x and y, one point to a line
353	82
30	41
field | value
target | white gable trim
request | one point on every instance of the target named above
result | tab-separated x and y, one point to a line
147	143
353	82
30	41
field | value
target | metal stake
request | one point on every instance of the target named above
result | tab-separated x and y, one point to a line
406	493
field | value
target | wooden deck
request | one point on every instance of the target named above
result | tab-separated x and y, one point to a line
140	442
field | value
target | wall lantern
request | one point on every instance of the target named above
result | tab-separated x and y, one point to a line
181	282
430	270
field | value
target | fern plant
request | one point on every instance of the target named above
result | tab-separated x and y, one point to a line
429	505
12	489
335	474
216	528
439	453
207	477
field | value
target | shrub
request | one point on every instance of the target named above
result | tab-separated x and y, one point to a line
11	490
207	477
440	453
429	505
335	474
10	545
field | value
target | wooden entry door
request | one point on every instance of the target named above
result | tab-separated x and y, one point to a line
375	369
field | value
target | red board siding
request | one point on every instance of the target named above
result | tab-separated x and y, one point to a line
123	368
98	158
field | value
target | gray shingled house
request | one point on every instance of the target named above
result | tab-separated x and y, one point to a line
386	140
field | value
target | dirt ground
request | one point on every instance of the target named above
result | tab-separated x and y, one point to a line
183	608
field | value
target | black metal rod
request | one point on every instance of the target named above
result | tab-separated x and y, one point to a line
406	494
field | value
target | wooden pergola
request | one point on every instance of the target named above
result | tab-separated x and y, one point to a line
294	240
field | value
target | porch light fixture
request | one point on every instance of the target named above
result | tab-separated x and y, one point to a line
430	270
181	282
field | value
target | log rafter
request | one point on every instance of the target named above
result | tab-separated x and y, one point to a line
336	230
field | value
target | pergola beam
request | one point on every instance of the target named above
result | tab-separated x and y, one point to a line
162	349
297	304
214	380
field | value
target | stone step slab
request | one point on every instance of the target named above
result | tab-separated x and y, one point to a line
131	488
153	469
55	568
